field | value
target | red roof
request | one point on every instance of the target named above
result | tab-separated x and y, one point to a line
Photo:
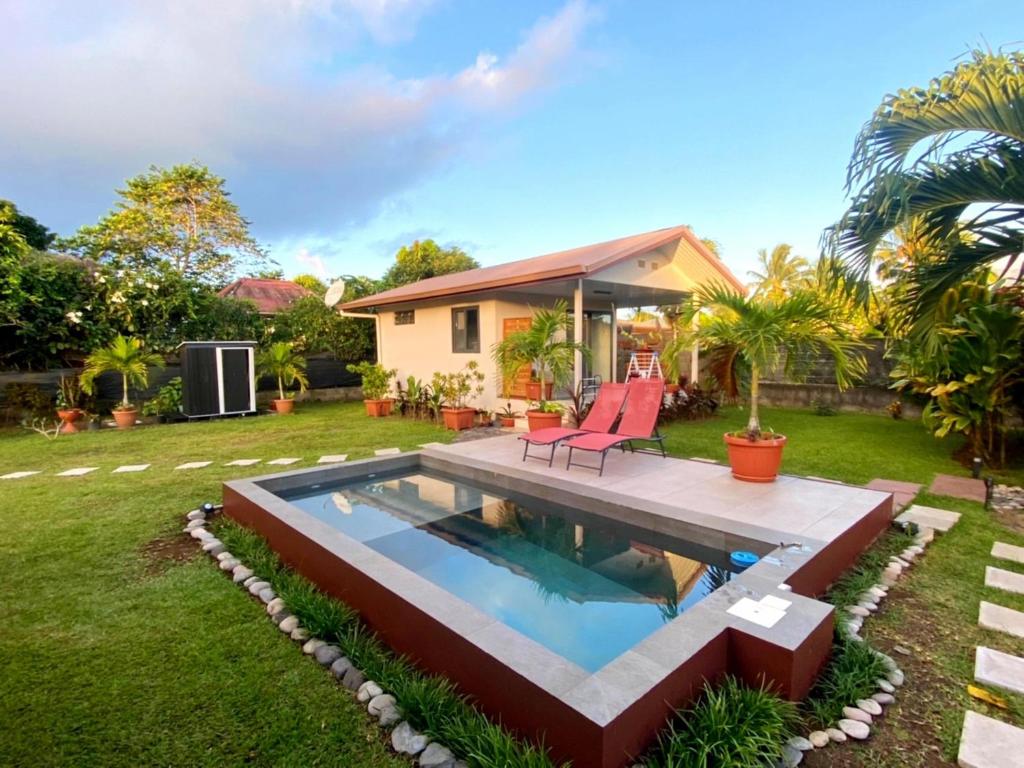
562	265
269	296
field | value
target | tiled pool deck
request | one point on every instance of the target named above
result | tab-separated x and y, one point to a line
815	529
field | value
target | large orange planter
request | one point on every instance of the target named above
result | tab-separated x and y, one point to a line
125	418
68	417
378	407
458	418
542	420
284	406
755	461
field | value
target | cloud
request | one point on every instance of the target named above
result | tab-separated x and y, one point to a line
253	89
313	264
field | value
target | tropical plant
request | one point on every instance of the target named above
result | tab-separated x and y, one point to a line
283	362
376	378
123	356
69	392
782	272
462	386
544	346
167	401
763	334
965	188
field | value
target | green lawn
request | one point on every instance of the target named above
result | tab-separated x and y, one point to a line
114	655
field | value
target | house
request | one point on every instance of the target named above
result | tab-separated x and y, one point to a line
269	296
441	323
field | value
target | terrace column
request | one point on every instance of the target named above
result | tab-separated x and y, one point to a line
577	332
615	343
694	358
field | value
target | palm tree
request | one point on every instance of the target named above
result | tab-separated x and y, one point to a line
281	361
123	356
781	272
966	187
764	334
544	346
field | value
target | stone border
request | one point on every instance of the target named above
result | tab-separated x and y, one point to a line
859	716
381	706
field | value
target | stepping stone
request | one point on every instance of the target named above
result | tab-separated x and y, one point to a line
431	445
991	616
194	465
283	461
387	451
968	488
930	517
242	463
703	460
132	468
19	475
903	493
332	458
999	669
77	471
1005	580
989	743
1008	552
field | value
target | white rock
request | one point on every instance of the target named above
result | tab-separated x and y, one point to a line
194	523
407	741
855	729
853	713
241	573
311	645
275	606
300	634
258	586
229	564
895	677
870	706
885	685
821	738
224	555
791	757
289	625
883	698
267	595
367	691
196	514
327	654
379	703
201	534
858	610
869	607
799	742
436	756
250	581
836	735
878	591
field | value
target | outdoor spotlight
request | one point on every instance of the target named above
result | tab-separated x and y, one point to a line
208	507
976	468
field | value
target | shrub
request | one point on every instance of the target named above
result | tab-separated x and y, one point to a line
732	725
376	379
167	401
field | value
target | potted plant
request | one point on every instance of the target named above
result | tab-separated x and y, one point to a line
376	385
69	395
545	347
544	414
126	357
458	389
507	415
750	336
167	403
283	362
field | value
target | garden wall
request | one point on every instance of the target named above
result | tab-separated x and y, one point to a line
871	399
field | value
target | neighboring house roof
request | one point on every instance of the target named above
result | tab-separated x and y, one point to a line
269	296
572	264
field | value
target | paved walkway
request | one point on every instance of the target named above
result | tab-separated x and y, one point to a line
903	492
968	488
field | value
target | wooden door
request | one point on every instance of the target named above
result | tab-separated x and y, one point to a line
512	325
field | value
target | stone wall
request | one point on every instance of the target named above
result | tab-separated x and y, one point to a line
870	399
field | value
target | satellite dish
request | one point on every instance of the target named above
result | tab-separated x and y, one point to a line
334	293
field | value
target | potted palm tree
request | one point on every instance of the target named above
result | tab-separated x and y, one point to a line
545	347
376	386
751	336
128	358
281	361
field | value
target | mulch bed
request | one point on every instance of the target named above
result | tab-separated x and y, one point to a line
165	551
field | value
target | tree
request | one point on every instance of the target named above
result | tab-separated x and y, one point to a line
423	259
281	361
781	272
311	283
965	188
268	274
123	356
182	218
762	334
35	235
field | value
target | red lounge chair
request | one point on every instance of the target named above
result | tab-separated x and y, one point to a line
639	422
600	418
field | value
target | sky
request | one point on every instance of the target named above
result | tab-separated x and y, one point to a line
345	128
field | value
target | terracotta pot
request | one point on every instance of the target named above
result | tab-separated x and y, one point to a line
125	417
377	408
507	421
541	420
533	390
284	406
757	461
671	388
68	417
458	418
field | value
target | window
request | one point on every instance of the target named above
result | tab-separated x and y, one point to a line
405	317
466	329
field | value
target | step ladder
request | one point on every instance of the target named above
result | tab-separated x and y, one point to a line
644	365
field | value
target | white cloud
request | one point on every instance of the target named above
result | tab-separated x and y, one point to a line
251	88
313	264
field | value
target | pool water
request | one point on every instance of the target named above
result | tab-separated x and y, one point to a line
585	587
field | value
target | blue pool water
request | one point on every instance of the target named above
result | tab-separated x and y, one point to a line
584	587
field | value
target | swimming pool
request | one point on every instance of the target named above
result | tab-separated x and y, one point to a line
583	586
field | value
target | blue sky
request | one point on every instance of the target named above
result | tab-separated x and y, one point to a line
346	127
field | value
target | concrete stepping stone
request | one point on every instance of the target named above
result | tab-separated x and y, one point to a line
131	468
387	451
1005	580
284	462
77	471
999	669
434	444
969	488
930	517
332	458
19	475
1000	619
242	463
194	465
903	492
989	743
1008	552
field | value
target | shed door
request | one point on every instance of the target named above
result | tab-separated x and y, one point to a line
236	377
199	371
513	325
